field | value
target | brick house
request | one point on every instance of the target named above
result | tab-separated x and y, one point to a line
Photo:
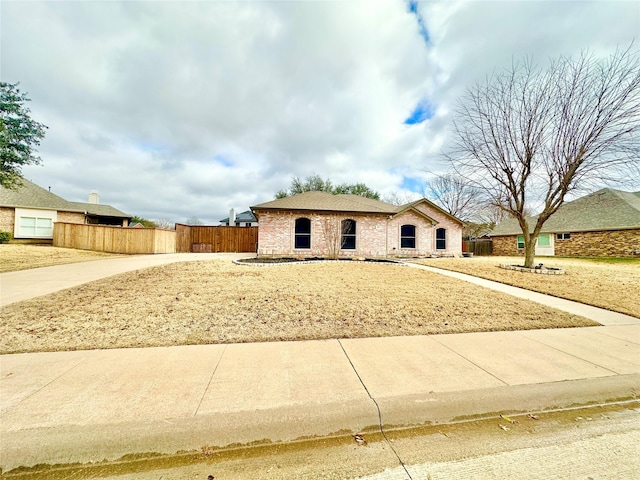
602	224
30	211
320	224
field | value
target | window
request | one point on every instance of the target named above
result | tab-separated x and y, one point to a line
407	236
544	240
563	236
348	235
520	242
303	233
36	227
441	239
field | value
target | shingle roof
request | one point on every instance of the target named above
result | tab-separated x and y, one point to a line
30	195
246	216
99	209
606	209
322	201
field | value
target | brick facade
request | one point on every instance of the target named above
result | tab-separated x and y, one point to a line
610	243
377	235
7	219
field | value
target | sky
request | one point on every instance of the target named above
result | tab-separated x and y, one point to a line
176	110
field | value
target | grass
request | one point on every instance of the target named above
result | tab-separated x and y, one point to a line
610	283
218	302
24	257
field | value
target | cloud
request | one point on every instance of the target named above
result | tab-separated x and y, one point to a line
182	109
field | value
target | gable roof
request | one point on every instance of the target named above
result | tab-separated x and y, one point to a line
30	195
606	209
328	202
246	216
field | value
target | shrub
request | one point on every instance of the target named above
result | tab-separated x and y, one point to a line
5	237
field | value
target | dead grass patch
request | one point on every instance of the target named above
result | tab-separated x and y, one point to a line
24	257
218	302
605	283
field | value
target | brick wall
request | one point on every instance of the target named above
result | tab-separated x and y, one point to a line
71	217
7	219
376	235
613	243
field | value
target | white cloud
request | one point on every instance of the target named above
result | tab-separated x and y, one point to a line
181	109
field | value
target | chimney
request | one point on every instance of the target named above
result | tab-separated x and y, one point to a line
232	218
94	197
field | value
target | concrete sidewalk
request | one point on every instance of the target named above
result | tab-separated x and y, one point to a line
88	406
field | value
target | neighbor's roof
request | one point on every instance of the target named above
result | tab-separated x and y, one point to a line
606	209
327	202
30	195
100	209
246	216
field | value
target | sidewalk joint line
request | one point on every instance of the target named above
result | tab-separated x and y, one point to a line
567	353
468	360
600	332
210	380
44	386
377	408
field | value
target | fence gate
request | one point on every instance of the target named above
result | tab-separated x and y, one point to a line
201	238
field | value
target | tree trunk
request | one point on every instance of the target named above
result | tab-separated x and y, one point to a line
529	251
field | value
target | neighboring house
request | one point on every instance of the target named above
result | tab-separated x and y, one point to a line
30	211
244	219
601	224
322	224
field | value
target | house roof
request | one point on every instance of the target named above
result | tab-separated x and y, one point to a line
30	195
99	209
246	216
323	201
606	209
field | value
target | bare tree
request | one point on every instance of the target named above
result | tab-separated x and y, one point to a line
455	194
165	224
527	137
193	221
332	231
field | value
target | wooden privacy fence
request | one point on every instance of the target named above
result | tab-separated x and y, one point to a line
200	238
101	238
478	247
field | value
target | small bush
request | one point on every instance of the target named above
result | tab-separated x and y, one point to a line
5	237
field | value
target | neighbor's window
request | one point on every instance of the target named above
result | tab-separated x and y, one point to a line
36	227
441	239
303	233
544	240
563	236
520	242
348	234
408	236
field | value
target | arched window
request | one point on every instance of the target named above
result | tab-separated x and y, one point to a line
441	239
348	235
408	236
303	233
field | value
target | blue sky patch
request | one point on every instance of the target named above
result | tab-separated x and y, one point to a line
421	113
413	9
412	184
224	161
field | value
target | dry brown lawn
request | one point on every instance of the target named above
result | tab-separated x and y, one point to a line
23	257
607	283
218	302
